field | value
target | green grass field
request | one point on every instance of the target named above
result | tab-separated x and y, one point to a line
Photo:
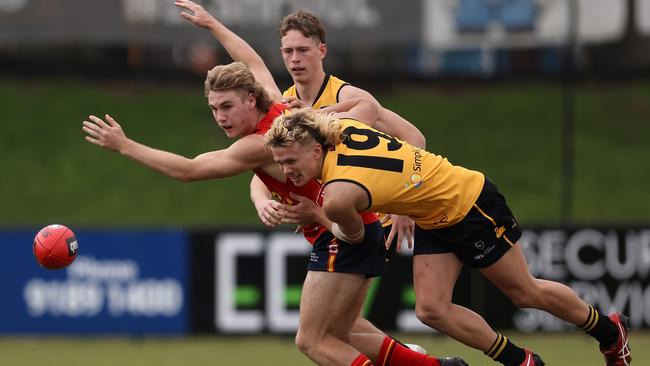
567	349
512	132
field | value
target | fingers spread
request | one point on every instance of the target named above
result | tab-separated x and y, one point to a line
98	121
111	122
90	131
91	140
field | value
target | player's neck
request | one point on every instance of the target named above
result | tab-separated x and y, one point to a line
254	121
258	117
308	90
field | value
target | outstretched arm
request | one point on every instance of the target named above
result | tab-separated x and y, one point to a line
243	155
236	47
363	109
387	121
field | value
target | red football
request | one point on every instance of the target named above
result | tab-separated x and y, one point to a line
55	246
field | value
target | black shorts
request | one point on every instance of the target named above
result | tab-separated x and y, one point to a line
332	255
485	234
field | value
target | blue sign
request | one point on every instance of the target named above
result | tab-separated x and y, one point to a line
122	282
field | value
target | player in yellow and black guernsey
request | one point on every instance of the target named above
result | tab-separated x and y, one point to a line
303	48
460	217
328	95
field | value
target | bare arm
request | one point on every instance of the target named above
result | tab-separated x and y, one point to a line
245	154
394	125
268	210
236	47
362	109
341	203
387	121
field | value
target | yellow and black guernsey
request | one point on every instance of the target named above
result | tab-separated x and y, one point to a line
327	95
400	178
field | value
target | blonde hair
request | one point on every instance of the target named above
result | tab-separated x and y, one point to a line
305	22
236	75
304	125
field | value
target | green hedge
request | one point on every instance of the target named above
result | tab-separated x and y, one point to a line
510	132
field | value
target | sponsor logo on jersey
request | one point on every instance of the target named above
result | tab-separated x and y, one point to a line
416	180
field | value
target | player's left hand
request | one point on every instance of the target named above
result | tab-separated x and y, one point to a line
403	227
293	102
304	212
198	16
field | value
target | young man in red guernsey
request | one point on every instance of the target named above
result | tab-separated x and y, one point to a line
331	301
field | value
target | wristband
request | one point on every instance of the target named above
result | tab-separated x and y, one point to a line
352	239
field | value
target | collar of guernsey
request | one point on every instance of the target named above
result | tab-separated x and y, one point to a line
265	123
281	190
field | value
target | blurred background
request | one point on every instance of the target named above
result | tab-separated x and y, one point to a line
549	98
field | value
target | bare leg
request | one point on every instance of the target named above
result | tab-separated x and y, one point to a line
434	277
510	274
365	337
363	326
328	307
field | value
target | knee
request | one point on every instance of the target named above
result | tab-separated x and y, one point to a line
432	312
305	343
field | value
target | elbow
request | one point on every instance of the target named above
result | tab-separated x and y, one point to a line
184	178
187	176
422	140
376	109
334	211
330	211
415	137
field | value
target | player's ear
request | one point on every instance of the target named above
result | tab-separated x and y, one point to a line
323	50
318	150
251	101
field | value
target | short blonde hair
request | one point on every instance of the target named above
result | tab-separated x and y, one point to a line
236	75
302	126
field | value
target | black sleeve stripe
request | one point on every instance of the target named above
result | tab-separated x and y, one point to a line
338	92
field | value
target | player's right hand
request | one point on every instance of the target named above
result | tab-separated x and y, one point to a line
108	135
198	16
269	212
